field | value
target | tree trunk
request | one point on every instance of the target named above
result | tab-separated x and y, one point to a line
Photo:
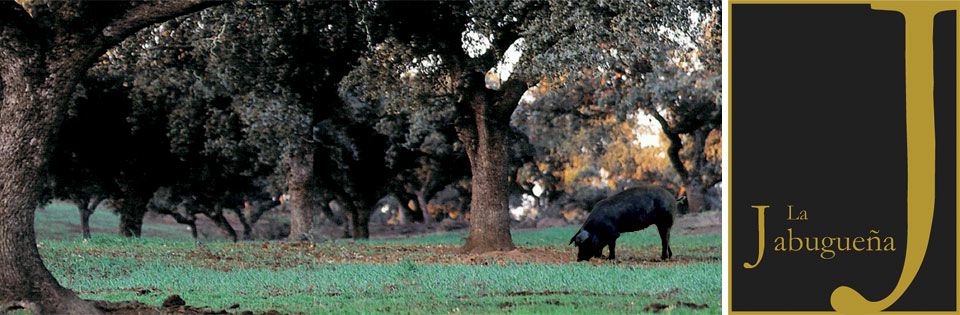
693	180
32	108
422	204
325	208
360	220
223	224
85	213
130	224
192	225
303	195
696	196
486	141
189	220
489	213
699	180
43	59
247	230
403	217
86	206
255	209
132	211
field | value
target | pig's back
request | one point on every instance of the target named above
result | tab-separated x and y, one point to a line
635	208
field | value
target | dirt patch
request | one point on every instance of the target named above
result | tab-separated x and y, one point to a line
137	308
281	255
519	255
657	307
178	307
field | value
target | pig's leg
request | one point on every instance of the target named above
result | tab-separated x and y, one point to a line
613	250
665	241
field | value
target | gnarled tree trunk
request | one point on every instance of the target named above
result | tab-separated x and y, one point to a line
486	140
422	204
303	195
44	53
403	217
697	179
32	107
189	220
132	210
247	229
217	216
86	207
359	219
85	221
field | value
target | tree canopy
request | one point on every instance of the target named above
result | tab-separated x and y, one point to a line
317	112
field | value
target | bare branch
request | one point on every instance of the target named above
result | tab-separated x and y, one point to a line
144	15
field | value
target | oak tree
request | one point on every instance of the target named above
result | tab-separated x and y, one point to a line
46	48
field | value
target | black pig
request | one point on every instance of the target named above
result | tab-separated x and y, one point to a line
630	210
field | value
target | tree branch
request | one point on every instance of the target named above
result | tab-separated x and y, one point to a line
144	15
660	119
676	143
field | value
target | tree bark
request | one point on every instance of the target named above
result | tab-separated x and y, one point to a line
247	230
31	110
254	210
486	140
132	211
189	220
403	217
422	204
695	186
303	195
44	57
695	181
360	220
85	213
489	213
86	205
223	224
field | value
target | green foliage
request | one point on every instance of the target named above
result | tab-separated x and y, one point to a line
375	92
603	66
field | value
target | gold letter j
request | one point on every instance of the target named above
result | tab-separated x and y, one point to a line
921	151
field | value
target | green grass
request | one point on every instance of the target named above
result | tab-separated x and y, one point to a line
560	237
341	277
61	221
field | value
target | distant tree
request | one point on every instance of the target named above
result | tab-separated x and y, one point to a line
46	48
233	88
84	164
579	142
416	62
681	90
661	57
87	168
285	84
422	151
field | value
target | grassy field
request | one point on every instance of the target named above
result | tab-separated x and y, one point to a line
422	274
61	221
